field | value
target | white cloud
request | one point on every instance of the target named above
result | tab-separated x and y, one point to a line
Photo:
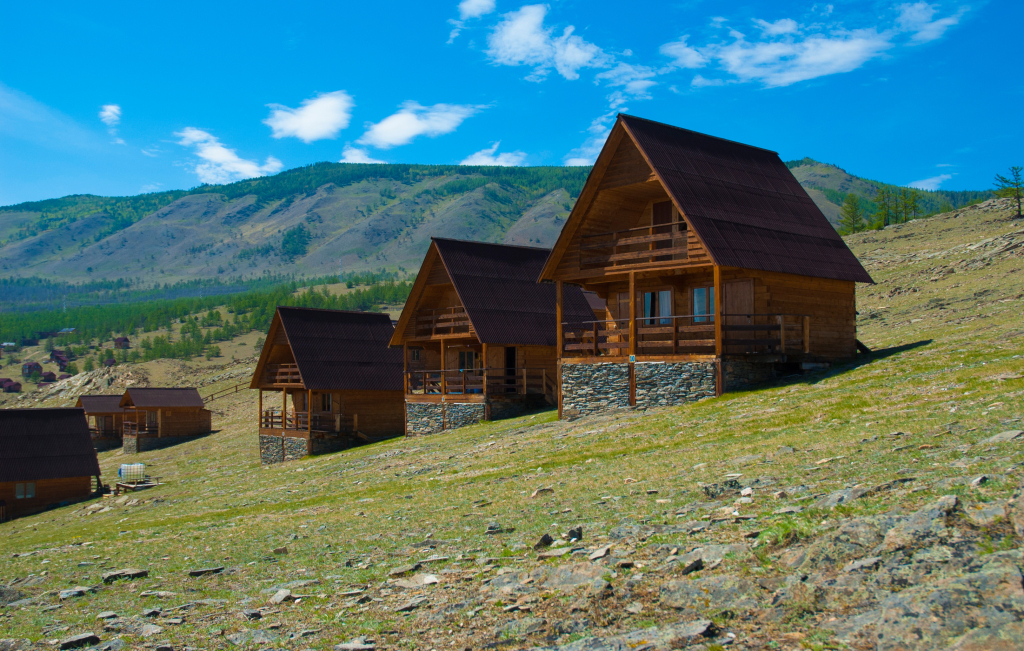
778	28
110	114
414	120
318	118
152	152
222	165
587	153
354	155
490	156
931	184
475	8
682	54
150	187
781	63
24	118
917	18
700	81
521	39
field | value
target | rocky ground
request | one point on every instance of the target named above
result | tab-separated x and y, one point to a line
876	505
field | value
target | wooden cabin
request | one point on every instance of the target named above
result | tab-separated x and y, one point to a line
105	416
46	459
478	335
156	418
332	381
717	267
122	343
47	376
9	386
28	368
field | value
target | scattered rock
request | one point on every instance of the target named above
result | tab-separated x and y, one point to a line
77	591
280	550
1003	437
542	491
495	528
710	594
116	575
78	641
402	570
251	614
411	605
520	628
832	500
205	571
417	581
281	596
986	514
600	553
922	527
574	534
356	644
868	563
545	541
554	553
107	614
980	480
673	636
159	594
253	637
152	612
149	630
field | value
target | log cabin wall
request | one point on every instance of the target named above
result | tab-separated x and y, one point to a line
47	492
380	413
184	422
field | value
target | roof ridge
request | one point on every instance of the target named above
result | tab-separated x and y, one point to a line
508	246
327	309
699	133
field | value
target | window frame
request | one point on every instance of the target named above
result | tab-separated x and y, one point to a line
708	315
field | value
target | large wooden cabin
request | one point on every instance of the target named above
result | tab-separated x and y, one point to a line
159	417
335	379
46	460
716	265
478	335
106	420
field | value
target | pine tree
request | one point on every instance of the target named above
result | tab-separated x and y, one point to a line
1011	186
851	217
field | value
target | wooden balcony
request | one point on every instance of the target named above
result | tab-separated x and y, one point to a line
282	374
443	322
302	421
478	383
742	334
104	433
634	247
140	429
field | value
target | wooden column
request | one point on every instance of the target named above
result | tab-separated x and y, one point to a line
309	413
444	367
558	318
632	338
483	368
782	334
261	409
405	366
718	311
284	409
807	334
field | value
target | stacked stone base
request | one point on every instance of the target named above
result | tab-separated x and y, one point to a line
738	375
278	449
432	417
137	444
109	443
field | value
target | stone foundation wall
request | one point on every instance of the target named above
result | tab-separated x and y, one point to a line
326	445
104	444
271	449
136	444
673	383
513	405
594	388
738	375
424	418
130	445
461	414
295	448
278	449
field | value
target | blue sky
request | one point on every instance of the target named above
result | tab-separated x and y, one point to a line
121	98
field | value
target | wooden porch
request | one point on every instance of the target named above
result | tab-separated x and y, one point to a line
474	385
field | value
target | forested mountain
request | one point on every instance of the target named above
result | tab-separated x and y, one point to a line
315	221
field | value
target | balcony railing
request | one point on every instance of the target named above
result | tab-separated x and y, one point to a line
303	421
692	333
103	433
487	381
282	374
136	429
634	246
443	321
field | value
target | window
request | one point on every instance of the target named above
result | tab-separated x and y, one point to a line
467	359
658	304
25	491
703	304
414	354
326	404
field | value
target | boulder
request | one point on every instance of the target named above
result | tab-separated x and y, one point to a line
923	527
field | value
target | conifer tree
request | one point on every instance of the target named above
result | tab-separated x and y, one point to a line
1011	186
851	219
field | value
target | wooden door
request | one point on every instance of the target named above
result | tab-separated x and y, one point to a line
739	306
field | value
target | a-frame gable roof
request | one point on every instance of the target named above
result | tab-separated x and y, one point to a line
337	350
51	443
497	285
742	202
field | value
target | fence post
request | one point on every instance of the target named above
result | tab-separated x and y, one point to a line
524	380
463	381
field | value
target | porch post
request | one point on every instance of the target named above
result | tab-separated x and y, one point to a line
483	368
444	387
559	345
309	412
632	338
405	366
718	311
261	409
284	410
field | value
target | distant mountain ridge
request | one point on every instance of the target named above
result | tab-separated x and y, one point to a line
320	219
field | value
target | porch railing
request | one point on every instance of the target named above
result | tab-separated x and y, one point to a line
691	333
489	381
135	429
101	432
282	374
634	246
302	420
443	321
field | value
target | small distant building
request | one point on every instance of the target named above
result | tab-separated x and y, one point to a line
9	386
343	381
46	459
29	368
106	420
48	376
65	331
159	417
8	346
122	343
62	363
110	362
62	376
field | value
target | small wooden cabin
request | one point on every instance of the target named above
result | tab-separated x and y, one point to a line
48	376
478	335
9	386
46	459
122	343
338	382
28	368
106	420
717	268
159	417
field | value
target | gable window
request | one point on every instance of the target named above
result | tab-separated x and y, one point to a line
25	491
326	402
414	354
467	359
703	304
657	304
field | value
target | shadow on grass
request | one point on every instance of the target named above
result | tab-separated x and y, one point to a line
862	359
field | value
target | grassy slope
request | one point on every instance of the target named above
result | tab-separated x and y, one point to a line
949	351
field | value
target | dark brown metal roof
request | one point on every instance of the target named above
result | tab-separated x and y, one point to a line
100	404
497	285
343	351
744	204
45	444
155	398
